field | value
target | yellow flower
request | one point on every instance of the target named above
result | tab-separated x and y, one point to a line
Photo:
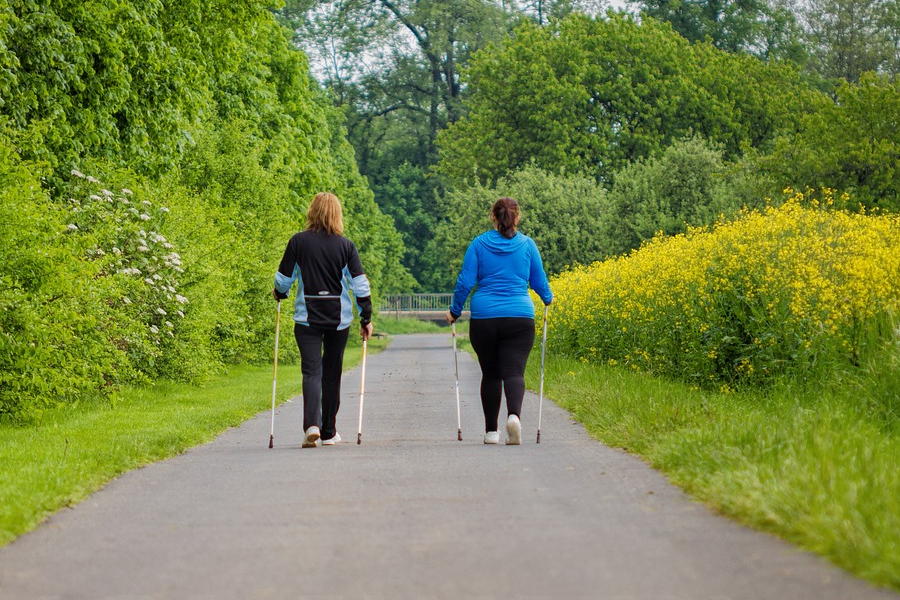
799	275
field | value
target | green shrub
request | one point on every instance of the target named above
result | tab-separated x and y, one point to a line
850	144
687	184
53	319
208	115
561	212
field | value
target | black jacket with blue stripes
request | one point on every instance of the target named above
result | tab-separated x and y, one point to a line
328	268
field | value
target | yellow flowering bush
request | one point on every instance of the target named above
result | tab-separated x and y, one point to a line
780	290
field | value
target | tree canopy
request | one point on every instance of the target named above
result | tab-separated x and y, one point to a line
851	145
760	27
562	213
595	94
175	146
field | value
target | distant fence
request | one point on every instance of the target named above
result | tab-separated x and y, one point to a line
427	307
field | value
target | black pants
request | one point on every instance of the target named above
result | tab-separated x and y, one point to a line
502	345
321	375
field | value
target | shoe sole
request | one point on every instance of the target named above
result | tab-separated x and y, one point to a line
330	442
310	441
513	434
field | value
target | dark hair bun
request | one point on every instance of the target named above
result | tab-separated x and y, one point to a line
506	213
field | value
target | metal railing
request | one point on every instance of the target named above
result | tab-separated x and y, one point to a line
416	303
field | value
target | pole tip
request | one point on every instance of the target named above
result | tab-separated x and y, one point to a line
271	441
358	439
539	436
459	434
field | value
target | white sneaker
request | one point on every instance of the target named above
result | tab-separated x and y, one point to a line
492	437
513	431
312	437
332	441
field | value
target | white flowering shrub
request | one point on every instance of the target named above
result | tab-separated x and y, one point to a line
95	294
120	233
55	320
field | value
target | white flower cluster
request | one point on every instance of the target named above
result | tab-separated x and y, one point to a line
114	219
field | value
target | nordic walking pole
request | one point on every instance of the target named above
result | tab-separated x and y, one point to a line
275	373
541	392
362	393
456	365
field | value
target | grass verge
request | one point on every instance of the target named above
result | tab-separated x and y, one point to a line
812	466
72	452
397	326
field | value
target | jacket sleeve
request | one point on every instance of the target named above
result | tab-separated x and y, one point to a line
359	285
466	280
537	278
288	270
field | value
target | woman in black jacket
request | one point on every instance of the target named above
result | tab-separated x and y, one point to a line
328	268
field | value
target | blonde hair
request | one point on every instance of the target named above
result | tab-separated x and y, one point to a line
325	214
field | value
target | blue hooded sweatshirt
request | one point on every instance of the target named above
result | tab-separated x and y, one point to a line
503	269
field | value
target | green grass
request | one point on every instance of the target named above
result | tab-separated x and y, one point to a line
394	326
71	452
817	467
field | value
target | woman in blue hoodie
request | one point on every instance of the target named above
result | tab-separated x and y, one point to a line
501	264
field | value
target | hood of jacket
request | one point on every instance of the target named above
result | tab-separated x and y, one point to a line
497	244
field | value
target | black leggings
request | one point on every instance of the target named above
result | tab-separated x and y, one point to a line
502	345
321	375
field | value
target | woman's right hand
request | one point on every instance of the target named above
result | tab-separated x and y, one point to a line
450	318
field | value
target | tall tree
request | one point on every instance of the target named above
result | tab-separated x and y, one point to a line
850	37
604	92
765	28
394	66
850	144
545	11
401	55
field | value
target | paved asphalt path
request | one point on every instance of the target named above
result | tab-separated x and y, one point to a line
412	513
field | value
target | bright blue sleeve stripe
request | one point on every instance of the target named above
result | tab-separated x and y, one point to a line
360	286
283	283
